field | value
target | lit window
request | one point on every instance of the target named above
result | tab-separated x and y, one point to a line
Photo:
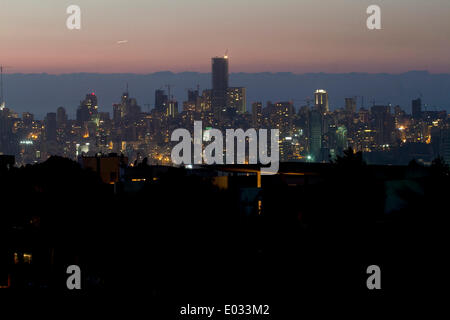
27	258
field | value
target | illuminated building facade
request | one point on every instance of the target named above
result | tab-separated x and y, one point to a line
321	100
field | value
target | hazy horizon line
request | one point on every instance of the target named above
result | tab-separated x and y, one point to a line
199	72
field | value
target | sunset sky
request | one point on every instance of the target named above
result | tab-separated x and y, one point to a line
261	35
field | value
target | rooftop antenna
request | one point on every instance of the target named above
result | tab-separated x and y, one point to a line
168	91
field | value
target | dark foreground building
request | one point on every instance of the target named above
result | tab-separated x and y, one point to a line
225	232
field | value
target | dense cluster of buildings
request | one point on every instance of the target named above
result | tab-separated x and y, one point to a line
310	132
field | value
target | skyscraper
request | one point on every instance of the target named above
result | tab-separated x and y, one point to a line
416	108
194	101
219	85
445	145
117	114
2	98
88	108
172	108
161	100
315	134
61	116
350	105
7	145
205	102
363	115
50	127
193	95
129	109
282	116
341	142
321	100
236	99
383	124
256	114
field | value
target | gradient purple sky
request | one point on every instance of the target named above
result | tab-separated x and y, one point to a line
262	35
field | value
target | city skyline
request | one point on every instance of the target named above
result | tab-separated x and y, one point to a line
310	131
271	153
40	93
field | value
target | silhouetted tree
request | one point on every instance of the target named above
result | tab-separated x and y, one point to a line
439	167
349	159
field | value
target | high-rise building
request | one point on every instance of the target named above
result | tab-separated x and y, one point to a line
193	95
350	105
193	103
321	100
7	145
61	116
88	108
189	106
27	119
219	85
161	99
341	142
128	108
172	108
444	150
206	99
82	114
383	124
363	115
315	134
257	114
50	127
399	113
117	114
236	99
416	108
282	116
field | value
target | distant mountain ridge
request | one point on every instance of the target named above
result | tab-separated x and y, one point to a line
42	93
